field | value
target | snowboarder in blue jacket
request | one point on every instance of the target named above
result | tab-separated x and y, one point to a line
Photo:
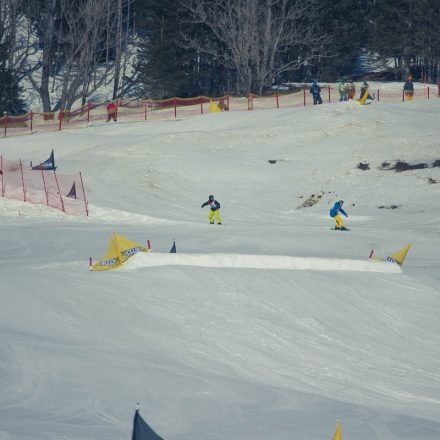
334	212
315	90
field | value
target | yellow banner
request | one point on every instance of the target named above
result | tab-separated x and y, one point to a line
111	259
213	107
338	434
399	256
119	251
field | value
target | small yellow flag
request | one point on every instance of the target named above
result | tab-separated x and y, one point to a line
364	97
338	435
213	107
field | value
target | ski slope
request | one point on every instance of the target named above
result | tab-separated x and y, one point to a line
274	262
269	326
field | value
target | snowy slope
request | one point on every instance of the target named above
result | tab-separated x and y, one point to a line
235	350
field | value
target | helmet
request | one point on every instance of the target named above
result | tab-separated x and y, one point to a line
211	197
314	81
410	77
340	202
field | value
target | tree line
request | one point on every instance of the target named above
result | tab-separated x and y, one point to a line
69	49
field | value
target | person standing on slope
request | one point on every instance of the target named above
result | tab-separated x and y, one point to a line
315	90
215	210
334	212
408	89
351	90
111	112
343	90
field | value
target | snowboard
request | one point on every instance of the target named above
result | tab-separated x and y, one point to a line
345	229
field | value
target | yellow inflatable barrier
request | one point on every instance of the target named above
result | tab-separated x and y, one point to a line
120	249
398	257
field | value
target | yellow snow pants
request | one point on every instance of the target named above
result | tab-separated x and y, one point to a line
338	222
215	214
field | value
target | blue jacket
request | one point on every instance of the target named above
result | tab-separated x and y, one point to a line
408	86
315	89
336	210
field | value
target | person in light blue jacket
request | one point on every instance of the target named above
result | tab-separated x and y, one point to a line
334	212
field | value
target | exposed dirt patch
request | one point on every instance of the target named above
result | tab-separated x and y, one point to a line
310	201
401	166
363	166
404	166
389	207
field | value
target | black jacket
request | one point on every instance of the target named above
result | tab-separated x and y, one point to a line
214	205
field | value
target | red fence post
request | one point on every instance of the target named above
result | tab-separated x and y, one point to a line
1	169
329	94
278	102
45	190
32	119
438	87
428	92
84	194
304	93
378	94
201	105
5	118
60	117
59	192
175	107
227	99
88	113
22	181
403	95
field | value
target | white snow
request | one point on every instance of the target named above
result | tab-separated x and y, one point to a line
212	341
259	262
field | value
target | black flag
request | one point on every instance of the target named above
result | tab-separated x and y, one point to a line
173	249
48	164
141	429
72	192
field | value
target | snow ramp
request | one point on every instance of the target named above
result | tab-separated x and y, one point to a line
275	262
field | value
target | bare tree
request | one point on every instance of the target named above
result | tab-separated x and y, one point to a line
254	37
81	48
15	35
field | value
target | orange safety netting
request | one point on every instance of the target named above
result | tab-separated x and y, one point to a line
64	192
173	108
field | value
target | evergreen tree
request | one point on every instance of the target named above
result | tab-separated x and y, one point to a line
347	21
164	69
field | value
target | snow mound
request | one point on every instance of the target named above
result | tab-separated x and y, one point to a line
242	261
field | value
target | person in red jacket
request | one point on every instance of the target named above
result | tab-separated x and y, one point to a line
111	111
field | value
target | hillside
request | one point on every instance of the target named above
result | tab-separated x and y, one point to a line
233	351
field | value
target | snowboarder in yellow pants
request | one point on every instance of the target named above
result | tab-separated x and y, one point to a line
215	209
338	222
334	212
215	214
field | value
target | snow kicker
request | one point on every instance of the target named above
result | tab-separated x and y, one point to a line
274	262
